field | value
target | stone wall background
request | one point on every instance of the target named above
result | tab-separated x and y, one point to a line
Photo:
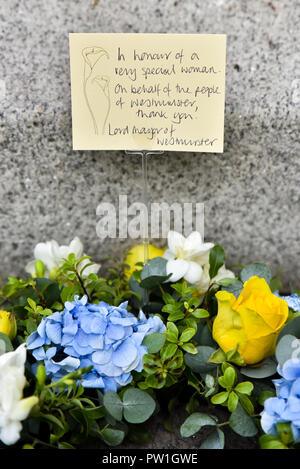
251	192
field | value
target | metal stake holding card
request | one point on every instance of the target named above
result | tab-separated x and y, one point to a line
145	194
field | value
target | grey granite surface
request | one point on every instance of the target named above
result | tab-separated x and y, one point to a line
251	192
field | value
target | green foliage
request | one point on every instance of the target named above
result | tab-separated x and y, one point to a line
136	405
235	392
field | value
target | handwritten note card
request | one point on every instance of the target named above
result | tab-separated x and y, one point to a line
148	91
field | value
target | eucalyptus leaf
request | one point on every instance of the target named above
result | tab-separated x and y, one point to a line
235	288
154	273
112	436
256	270
199	361
138	405
154	342
242	423
292	328
113	404
287	347
194	423
215	440
267	368
6	345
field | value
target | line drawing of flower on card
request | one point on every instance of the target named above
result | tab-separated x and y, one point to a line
96	86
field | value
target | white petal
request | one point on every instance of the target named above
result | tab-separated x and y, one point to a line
45	253
223	273
177	268
193	241
10	433
23	407
168	254
16	358
76	247
30	267
175	241
204	282
194	273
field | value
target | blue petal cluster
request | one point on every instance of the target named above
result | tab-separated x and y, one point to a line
286	406
108	338
293	301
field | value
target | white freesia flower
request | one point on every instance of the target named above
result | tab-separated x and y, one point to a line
13	408
186	256
52	255
205	282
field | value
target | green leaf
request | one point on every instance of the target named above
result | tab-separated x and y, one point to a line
194	423
225	282
287	347
217	258
242	423
271	442
220	398
232	401
256	270
113	404
264	395
154	342
168	351
267	368
229	376
200	313
5	344
112	437
187	334
154	273
189	348
218	356
244	388
215	440
292	328
172	332
138	405
235	288
246	403
199	362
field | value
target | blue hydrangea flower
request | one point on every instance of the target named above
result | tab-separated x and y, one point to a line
286	406
293	301
108	338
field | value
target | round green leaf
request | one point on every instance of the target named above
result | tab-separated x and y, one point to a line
235	288
113	404
215	440
5	343
292	328
268	368
154	273
112	436
220	398
245	388
194	423
286	348
198	362
154	342
138	405
256	270
242	423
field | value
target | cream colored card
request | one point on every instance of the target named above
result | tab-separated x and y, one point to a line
148	91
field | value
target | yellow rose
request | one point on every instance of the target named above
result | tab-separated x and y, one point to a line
8	324
252	321
136	254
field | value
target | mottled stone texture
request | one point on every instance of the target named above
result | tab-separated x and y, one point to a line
251	192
